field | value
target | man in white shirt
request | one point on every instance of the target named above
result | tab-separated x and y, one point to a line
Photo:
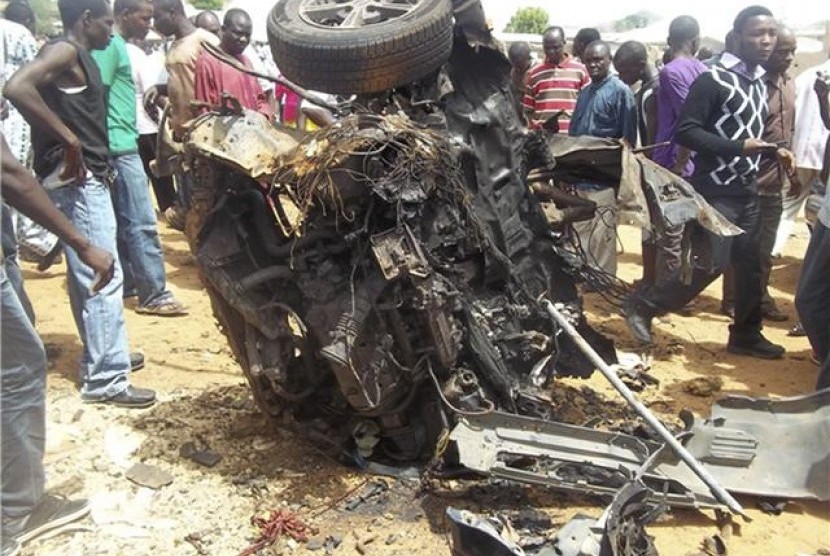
148	70
808	146
18	48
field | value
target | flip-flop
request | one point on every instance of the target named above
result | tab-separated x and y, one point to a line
164	308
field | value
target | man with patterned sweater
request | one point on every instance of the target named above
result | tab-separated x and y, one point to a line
723	122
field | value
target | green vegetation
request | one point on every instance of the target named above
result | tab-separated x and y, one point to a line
528	20
208	4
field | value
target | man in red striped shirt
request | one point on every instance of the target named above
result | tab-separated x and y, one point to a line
552	86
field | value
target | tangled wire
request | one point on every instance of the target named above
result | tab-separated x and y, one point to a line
399	161
271	528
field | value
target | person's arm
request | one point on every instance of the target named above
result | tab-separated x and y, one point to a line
22	191
155	98
628	116
23	91
822	89
650	111
674	91
692	129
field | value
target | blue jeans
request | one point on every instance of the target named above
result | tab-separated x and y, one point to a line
23	378
12	268
105	362
139	247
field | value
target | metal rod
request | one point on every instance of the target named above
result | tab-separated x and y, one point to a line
718	491
646	148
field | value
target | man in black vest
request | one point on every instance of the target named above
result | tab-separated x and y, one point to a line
723	121
62	97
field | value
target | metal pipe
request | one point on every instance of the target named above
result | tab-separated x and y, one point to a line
647	148
718	491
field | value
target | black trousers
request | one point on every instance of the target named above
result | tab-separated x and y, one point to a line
770	216
812	300
162	187
710	256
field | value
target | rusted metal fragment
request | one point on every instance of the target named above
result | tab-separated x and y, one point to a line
247	141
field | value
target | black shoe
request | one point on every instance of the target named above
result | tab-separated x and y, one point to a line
49	514
754	345
136	362
132	397
50	258
727	309
11	546
775	315
797	330
638	320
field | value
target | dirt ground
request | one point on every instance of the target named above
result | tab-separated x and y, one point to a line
203	399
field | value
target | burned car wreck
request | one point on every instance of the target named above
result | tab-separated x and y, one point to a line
383	281
389	267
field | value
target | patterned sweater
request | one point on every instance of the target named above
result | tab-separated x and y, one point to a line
726	105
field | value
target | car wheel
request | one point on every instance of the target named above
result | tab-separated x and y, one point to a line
359	46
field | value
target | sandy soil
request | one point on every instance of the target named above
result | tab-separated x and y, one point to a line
203	399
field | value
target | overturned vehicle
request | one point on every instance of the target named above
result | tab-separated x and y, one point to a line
385	275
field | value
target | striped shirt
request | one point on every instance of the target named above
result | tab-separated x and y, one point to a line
550	88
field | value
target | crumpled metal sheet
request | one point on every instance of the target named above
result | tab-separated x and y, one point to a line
765	447
678	201
648	194
576	459
618	532
603	161
247	141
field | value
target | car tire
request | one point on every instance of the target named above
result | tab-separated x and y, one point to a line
366	59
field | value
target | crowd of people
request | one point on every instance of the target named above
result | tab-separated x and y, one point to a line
82	114
750	138
87	116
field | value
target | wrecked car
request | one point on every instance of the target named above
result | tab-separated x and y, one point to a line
381	277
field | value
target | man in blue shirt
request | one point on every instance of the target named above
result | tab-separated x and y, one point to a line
605	108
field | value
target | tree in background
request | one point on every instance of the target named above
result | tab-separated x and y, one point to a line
528	20
633	21
208	4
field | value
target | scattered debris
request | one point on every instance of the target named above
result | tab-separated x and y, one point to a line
149	476
703	386
371	491
204	456
773	507
714	546
618	532
197	542
276	524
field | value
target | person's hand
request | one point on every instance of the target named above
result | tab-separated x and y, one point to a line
73	159
796	187
101	262
755	146
151	95
786	159
154	100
